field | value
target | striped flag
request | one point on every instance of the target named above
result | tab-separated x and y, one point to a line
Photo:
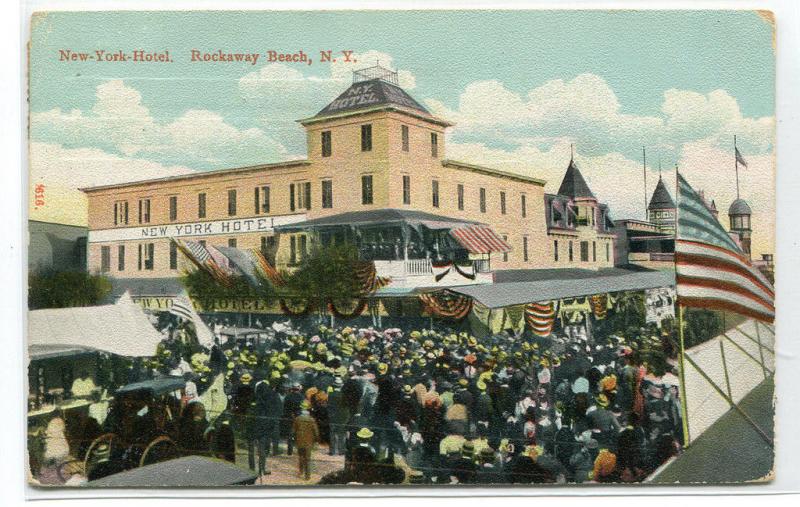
711	271
739	157
183	308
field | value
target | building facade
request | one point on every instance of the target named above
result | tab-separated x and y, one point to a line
372	151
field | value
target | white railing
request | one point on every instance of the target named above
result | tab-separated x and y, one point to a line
418	267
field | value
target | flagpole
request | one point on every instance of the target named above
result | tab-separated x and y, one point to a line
681	362
736	163
682	366
644	173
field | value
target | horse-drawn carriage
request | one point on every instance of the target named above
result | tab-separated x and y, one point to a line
141	428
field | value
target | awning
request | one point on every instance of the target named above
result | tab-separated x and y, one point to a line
121	328
572	284
479	239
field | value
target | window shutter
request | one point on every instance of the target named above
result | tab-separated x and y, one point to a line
257	202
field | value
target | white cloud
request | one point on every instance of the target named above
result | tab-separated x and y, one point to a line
586	110
63	171
118	121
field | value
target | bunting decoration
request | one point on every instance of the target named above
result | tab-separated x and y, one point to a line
540	317
446	304
369	279
441	269
600	306
294	307
469	276
358	309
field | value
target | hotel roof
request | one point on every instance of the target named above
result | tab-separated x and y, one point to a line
199	174
368	94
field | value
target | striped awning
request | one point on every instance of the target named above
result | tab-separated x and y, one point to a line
479	239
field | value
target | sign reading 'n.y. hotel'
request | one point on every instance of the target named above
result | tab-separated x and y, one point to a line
186	230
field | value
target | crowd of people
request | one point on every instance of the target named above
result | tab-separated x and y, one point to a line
434	405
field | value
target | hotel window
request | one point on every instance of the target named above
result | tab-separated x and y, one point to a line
483	200
231	202
406	189
144	211
173	208
594	251
292	250
404	135
366	137
262	199
608	252
523	203
460	192
232	242
303	247
120	212
173	255
291	196
555	250
121	258
435	193
326	143
434	144
571	256
105	259
525	248
505	254
366	189
503	203
306	195
268	244
584	251
327	194
201	205
146	254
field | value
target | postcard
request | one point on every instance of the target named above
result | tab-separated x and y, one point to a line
400	248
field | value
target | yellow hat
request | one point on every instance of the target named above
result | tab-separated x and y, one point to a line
246	378
481	384
602	400
383	368
406	388
305	405
364	433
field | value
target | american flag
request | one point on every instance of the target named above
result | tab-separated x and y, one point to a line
711	270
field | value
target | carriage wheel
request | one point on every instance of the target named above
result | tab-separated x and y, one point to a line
160	449
99	457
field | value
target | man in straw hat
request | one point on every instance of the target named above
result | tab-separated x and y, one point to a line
306	435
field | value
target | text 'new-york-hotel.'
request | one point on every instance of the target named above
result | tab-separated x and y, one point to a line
375	157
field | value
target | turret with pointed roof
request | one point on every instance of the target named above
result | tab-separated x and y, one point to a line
661	198
662	210
573	184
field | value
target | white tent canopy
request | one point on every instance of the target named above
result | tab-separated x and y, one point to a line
121	328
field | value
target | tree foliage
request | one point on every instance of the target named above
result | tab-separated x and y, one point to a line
326	273
202	286
63	289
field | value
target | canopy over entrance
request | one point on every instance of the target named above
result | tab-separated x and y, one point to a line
121	328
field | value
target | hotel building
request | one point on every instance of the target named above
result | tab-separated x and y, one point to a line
376	174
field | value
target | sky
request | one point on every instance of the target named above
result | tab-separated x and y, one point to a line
521	87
